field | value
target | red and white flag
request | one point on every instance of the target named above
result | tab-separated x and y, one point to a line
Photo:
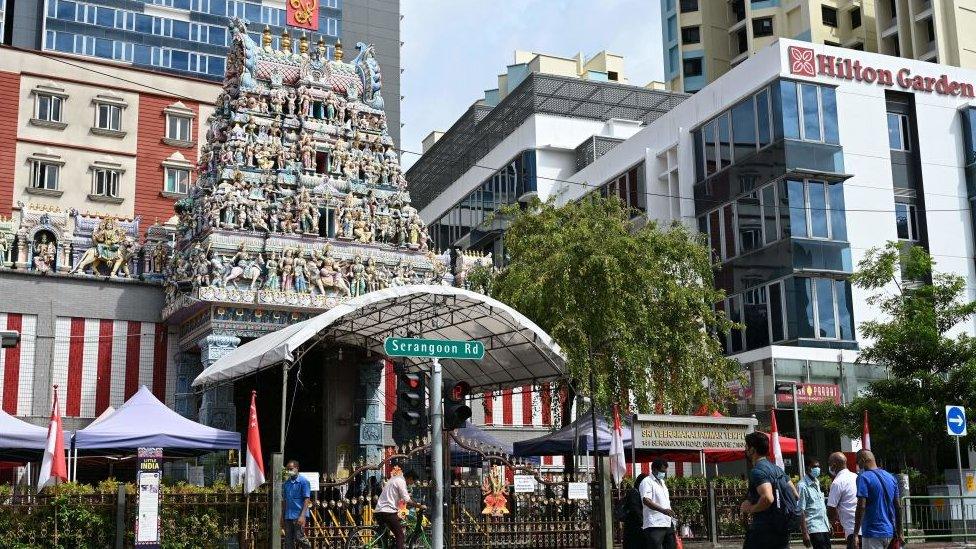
866	433
775	451
254	474
53	465
618	457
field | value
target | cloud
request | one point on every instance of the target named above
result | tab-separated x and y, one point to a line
454	49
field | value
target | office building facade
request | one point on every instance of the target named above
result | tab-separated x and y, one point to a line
795	164
549	117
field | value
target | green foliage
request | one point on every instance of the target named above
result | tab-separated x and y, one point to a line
929	367
632	305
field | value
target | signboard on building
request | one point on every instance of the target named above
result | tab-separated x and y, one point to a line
524	484
433	348
664	432
148	477
810	393
804	61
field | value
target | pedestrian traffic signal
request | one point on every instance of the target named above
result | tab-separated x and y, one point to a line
410	418
456	412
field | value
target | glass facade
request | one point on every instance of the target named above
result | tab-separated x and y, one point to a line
193	41
473	212
769	197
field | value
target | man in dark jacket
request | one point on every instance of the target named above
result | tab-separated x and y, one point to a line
633	515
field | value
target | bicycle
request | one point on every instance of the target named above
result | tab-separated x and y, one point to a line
380	537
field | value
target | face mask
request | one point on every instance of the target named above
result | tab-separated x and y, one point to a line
815	472
292	473
660	475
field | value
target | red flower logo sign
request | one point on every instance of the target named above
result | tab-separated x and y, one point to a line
801	61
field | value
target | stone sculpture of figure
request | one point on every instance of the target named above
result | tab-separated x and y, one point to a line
254	271
126	251
415	229
308	219
330	107
357	275
305	102
314	275
372	276
308	152
217	269
271	279
291	102
106	239
288	271
44	254
301	280
239	262
347	225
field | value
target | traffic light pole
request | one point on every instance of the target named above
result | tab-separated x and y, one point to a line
437	456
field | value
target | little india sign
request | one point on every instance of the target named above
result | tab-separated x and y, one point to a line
433	348
806	62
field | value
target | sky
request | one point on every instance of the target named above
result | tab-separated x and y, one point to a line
453	50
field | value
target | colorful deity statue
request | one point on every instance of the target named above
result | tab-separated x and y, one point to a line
107	238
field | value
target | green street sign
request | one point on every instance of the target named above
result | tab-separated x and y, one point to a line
433	348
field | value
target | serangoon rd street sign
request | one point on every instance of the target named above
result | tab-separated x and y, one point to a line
433	348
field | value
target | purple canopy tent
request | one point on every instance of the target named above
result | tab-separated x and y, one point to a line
19	440
561	442
144	421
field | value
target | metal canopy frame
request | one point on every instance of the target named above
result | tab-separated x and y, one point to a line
516	350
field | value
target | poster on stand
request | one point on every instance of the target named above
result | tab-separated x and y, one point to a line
148	478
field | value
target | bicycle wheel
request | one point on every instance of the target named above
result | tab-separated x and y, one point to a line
365	537
418	540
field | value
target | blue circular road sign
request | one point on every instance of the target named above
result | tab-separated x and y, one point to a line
956	421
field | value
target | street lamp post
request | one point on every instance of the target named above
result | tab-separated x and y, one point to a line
791	387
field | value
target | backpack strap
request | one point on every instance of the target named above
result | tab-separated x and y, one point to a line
884	490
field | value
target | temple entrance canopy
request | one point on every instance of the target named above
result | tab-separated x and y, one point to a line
516	350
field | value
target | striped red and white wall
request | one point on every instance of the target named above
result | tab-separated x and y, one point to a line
17	365
526	406
99	363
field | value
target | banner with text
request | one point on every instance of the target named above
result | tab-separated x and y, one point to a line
149	476
657	432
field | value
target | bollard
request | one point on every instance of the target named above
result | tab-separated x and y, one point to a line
712	514
120	518
274	529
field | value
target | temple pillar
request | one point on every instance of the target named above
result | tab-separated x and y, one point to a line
370	424
217	407
187	369
22	250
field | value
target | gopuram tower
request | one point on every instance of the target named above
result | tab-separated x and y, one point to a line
300	203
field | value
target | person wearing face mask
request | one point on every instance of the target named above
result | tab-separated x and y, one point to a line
842	500
815	528
770	491
296	501
658	516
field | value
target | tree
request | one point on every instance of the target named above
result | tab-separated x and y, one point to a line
915	339
634	305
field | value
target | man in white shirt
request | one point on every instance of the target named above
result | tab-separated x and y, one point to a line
387	508
658	516
842	501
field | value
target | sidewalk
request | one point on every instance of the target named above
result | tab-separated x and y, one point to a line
909	545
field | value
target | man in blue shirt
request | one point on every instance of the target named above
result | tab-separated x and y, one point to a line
296	494
765	531
878	513
815	527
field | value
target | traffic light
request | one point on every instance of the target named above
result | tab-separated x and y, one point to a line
410	419
456	412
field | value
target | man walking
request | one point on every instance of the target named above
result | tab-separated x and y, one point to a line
842	500
658	516
815	528
767	530
296	494
878	514
387	509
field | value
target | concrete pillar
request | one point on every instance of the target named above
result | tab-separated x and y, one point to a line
217	407
187	369
370	424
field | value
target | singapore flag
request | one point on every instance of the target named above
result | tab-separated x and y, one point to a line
254	475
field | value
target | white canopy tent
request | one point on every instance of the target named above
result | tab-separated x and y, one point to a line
516	350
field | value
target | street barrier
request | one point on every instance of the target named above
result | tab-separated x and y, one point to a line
939	518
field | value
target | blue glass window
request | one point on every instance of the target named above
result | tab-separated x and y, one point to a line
744	129
770	214
827	327
798	211
838	222
105	17
828	101
804	307
141	56
818	209
181	4
762	112
64	41
216	66
252	12
776	311
791	112
103	48
711	161
845	320
811	112
144	23
66	10
724	140
218	7
179	60
218	36
181	29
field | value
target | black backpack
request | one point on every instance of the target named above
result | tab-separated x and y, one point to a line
787	514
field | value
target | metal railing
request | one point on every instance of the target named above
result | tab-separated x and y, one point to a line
939	518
